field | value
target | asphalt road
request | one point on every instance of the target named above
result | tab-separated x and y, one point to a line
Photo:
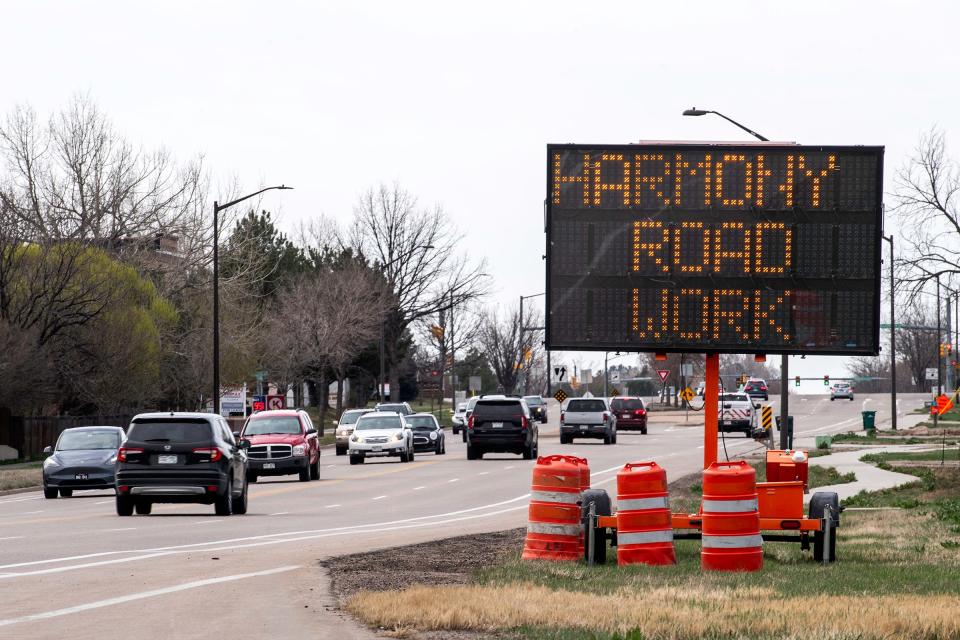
72	568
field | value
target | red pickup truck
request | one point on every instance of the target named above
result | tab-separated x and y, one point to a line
282	442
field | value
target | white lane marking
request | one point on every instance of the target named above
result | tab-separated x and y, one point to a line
453	480
13	500
27	513
109	602
208	522
700	447
331	506
12	538
280	513
418	488
483	473
120	529
508	467
379	498
331	466
104	502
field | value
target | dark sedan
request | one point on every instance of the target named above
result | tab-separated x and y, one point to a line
84	458
537	407
427	434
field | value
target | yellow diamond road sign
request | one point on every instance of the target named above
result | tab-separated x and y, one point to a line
560	395
687	394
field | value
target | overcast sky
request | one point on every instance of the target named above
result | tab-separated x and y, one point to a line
457	102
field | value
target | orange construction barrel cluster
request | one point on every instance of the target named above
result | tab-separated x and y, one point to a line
731	519
554	531
644	527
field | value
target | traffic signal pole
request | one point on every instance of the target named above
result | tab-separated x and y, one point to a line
710	413
784	399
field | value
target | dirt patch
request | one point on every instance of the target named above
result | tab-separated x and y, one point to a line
443	562
20	478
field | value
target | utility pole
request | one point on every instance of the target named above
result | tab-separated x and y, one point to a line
893	341
784	399
453	362
605	374
936	415
948	370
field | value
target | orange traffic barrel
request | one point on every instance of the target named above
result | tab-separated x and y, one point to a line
644	528
554	531
731	518
584	471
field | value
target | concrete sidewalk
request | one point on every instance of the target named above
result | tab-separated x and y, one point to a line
869	477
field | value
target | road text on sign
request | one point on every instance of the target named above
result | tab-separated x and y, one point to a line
740	248
560	396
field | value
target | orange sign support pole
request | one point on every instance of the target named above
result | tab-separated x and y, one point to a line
710	402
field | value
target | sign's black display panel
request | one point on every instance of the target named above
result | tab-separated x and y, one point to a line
714	248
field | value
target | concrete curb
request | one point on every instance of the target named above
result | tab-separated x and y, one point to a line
10	492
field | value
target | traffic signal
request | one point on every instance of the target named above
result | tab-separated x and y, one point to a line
826	381
437	332
796	381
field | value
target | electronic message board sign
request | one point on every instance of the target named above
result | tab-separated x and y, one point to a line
749	248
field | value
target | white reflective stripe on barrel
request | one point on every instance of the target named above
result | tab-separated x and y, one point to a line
555	529
644	537
731	506
555	496
731	542
640	504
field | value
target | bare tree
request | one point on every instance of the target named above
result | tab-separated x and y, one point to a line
917	343
324	321
926	197
451	332
508	348
421	256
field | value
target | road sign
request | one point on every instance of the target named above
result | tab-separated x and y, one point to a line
560	396
714	247
931	374
766	417
664	374
233	401
475	383
944	404
258	403
276	402
686	394
614	393
560	372
686	369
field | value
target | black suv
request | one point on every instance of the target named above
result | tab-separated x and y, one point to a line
181	457
538	408
501	424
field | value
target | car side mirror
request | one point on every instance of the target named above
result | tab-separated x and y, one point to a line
311	432
236	434
48	451
244	444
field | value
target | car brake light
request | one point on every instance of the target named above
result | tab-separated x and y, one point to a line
524	422
763	388
640	412
562	416
470	423
123	452
214	453
606	416
212	488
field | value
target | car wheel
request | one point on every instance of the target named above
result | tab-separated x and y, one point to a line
528	452
240	502
356	459
412	454
643	431
50	493
832	398
223	505
341	451
455	430
471	452
305	473
564	439
143	507
614	438
601	501
818	505
463	435
607	438
124	505
66	493
251	477
315	469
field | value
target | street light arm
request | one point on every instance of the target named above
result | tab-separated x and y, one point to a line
750	131
221	207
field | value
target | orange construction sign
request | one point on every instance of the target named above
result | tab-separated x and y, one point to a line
944	404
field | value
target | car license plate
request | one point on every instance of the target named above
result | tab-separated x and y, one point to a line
625	415
583	427
728	422
378	448
269	465
80	476
167	459
496	425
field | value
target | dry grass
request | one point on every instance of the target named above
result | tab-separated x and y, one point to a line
20	478
676	613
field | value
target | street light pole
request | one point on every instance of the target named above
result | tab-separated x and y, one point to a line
217	208
703	112
523	330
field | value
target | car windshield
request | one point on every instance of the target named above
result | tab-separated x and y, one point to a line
421	422
621	404
289	425
86	440
378	422
351	417
734	397
170	430
587	405
396	408
533	401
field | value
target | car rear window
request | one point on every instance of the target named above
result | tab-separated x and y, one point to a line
498	409
626	403
533	400
173	430
350	417
734	397
587	405
421	422
396	408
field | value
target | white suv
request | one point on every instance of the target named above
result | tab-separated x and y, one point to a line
381	433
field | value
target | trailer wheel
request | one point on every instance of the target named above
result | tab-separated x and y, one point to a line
601	500
818	506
